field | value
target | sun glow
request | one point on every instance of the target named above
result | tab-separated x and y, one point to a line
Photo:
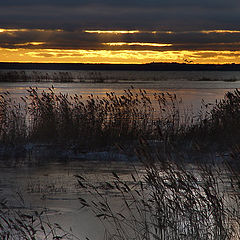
138	44
219	31
127	32
112	31
165	32
34	46
158	32
12	30
117	56
29	43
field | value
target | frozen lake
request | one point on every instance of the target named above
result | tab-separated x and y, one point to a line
191	86
52	184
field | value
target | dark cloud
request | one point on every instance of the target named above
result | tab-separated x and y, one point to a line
185	17
125	3
109	14
93	41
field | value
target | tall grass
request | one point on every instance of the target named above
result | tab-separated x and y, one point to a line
47	117
13	126
170	201
58	76
174	199
23	224
219	127
61	118
35	76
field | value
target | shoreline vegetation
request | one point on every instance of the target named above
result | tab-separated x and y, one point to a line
89	76
83	125
171	200
154	66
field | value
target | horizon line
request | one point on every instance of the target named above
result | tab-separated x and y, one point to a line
186	63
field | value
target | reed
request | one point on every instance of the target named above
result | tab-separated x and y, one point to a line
169	201
61	119
23	224
219	127
58	76
172	199
13	126
50	118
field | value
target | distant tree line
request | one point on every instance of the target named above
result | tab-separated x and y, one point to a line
126	67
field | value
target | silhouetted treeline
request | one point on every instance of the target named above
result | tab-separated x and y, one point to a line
126	67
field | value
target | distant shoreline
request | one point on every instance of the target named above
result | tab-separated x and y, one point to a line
120	67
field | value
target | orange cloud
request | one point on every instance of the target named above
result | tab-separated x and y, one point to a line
112	31
125	31
60	47
138	44
119	56
11	30
219	31
29	43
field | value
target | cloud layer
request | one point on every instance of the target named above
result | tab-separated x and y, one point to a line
146	25
125	14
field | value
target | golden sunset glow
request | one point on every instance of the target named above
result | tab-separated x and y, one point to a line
112	32
125	32
29	43
166	32
6	30
138	44
117	46
158	32
220	31
120	56
2	30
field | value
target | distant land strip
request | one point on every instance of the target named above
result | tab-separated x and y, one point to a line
121	67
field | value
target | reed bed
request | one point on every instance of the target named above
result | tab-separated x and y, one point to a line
175	199
13	126
35	76
58	76
218	128
23	224
170	201
52	118
71	121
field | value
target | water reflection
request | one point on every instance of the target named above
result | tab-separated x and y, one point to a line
190	96
52	186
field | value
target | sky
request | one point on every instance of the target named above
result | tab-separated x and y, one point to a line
120	31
